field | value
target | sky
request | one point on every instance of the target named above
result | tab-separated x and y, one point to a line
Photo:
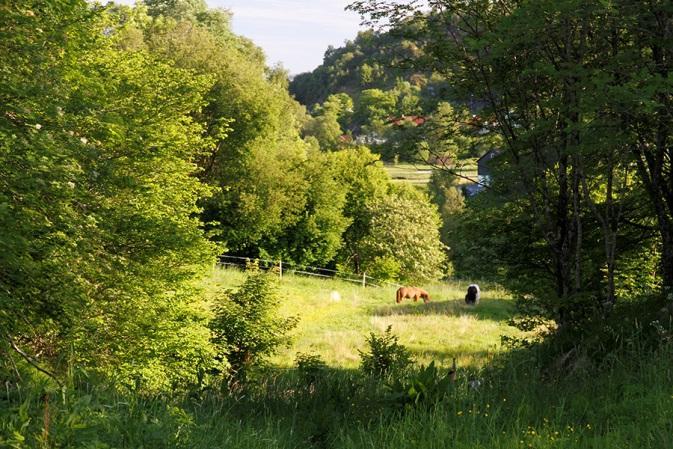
295	33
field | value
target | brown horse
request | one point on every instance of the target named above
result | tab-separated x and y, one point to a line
412	292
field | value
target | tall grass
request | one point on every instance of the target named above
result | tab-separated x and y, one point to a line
524	399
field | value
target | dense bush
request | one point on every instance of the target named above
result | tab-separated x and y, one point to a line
385	355
246	327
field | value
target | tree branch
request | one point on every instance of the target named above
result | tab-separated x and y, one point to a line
32	362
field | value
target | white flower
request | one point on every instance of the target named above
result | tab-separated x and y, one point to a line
38	126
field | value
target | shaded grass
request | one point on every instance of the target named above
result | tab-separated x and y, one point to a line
628	404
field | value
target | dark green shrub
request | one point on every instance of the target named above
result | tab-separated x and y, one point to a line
310	367
385	355
427	386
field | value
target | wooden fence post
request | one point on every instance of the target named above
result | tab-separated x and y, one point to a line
280	268
364	279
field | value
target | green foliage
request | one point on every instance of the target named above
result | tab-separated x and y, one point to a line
386	356
385	268
311	367
361	172
372	60
375	106
246	327
427	386
325	129
99	203
178	9
256	164
316	236
405	227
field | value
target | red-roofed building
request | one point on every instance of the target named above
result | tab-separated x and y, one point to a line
417	120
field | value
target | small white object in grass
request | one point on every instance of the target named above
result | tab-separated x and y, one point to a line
334	296
474	384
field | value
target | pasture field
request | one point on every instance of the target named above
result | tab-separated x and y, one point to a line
622	399
440	330
419	174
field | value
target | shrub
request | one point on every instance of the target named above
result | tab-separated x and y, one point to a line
385	356
310	367
427	386
246	327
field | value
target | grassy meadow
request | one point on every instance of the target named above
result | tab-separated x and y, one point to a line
419	174
623	399
440	330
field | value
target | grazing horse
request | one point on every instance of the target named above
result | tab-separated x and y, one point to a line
473	293
412	292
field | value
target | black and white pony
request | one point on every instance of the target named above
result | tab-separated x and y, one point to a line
472	297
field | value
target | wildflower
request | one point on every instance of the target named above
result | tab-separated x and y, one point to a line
38	126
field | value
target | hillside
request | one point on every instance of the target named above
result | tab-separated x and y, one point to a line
373	60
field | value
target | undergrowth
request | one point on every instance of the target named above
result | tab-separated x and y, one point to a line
553	394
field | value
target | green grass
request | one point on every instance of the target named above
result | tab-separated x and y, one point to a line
440	330
419	174
412	173
622	399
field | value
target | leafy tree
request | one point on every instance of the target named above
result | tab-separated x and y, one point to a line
405	226
543	71
360	171
178	9
255	164
101	246
317	235
142	193
375	106
43	236
325	129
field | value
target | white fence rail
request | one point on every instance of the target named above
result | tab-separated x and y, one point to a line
282	267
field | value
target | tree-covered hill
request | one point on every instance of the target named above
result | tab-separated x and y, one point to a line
383	89
373	60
